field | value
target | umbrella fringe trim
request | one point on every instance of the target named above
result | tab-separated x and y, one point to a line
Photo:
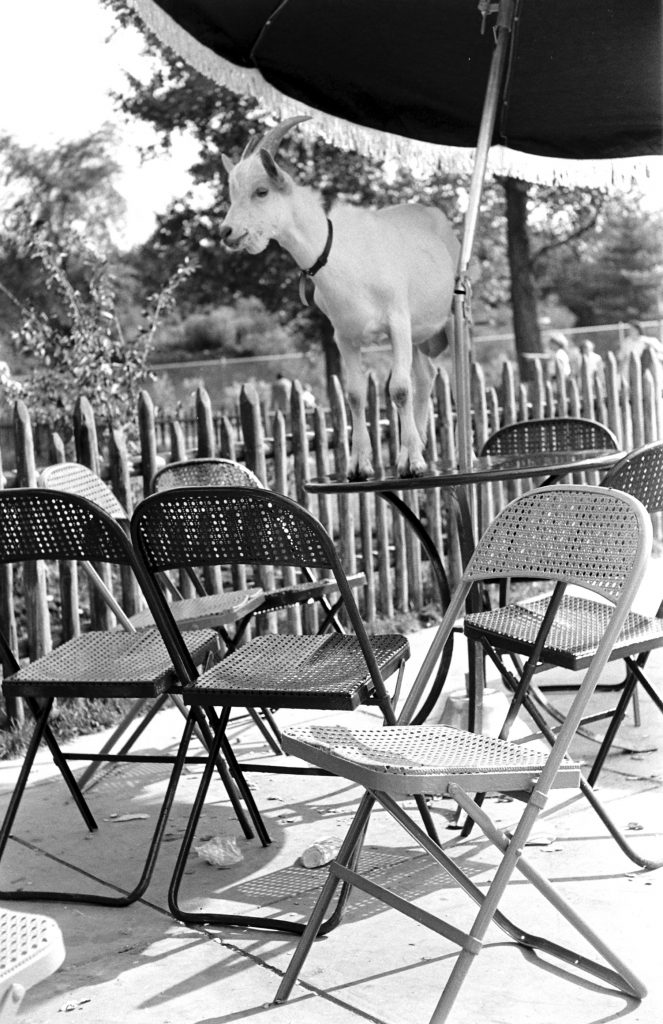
424	159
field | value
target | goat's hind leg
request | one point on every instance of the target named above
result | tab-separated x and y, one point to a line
411	460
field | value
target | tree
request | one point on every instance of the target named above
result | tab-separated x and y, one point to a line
83	351
613	273
65	194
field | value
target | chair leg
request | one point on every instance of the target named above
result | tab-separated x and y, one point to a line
61	762
617	974
239	920
219	725
126	898
135	710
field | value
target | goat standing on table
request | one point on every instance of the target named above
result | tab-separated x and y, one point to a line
379	275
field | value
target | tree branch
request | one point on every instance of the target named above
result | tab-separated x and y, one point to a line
578	233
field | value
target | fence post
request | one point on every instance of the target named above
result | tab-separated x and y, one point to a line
177	441
250	415
346	504
280	435
68	571
300	448
612	386
120	478
87	453
637	415
508	394
148	441
34	573
13	705
205	420
378	596
445	434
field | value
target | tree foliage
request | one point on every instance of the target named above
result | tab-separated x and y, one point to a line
83	352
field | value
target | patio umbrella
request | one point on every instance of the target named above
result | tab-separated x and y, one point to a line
558	91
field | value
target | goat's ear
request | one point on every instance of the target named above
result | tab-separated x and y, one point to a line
227	163
275	174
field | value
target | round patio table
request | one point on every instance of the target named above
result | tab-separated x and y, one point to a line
551	466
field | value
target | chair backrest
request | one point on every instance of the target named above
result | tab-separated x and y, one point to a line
36	523
640	473
204	473
587	536
564	434
73	478
597	538
199	526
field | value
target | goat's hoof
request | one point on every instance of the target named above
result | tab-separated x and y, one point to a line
360	473
411	467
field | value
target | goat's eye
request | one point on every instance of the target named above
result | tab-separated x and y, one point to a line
261	192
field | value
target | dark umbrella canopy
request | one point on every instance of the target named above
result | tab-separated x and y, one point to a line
584	81
563	91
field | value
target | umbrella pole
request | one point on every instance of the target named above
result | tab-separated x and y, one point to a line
507	13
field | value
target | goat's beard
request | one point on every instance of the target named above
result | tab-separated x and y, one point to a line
254	245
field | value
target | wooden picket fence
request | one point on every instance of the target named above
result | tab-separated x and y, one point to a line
287	450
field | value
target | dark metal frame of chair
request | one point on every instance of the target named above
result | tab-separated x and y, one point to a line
38	524
589	536
200	526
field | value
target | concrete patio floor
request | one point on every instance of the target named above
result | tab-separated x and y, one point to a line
139	965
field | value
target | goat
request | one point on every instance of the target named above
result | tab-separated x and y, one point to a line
379	274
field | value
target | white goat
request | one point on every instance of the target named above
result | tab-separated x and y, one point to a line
379	274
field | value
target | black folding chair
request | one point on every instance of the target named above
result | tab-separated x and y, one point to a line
214	611
40	524
202	526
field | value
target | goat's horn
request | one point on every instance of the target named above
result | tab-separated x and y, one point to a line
251	145
271	140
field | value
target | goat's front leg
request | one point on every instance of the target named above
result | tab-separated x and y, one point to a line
361	465
411	460
423	375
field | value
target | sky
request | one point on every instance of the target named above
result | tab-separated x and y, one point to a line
58	62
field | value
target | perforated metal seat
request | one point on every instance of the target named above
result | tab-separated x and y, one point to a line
38	524
250	526
587	536
31	949
299	671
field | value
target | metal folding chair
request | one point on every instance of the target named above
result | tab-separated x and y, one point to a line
252	527
38	524
205	611
31	949
589	536
214	472
639	473
561	434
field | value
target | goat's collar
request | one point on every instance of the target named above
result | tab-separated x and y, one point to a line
324	255
305	275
